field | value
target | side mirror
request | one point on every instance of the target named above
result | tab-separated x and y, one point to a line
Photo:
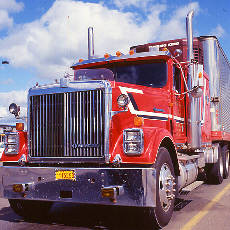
14	109
196	92
177	53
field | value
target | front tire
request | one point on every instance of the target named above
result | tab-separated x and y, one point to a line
165	190
30	209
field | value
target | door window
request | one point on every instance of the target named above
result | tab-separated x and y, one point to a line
176	79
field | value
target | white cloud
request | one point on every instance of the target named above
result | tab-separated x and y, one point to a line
18	97
59	38
218	31
11	5
5	20
121	4
7	81
175	27
3	111
53	42
6	7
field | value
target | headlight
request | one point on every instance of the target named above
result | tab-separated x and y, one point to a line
133	142
11	143
123	100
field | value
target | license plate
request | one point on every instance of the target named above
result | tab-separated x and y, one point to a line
65	175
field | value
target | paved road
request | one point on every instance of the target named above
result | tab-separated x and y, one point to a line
207	207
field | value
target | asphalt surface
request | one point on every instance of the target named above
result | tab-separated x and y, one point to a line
207	207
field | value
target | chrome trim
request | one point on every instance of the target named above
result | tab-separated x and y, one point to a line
167	187
108	117
189	35
217	66
211	68
7	143
90	43
141	141
113	113
188	172
211	154
84	89
139	185
194	123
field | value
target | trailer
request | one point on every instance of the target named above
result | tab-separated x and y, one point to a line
129	130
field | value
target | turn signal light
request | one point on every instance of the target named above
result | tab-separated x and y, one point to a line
108	192
18	188
19	126
80	60
200	75
138	121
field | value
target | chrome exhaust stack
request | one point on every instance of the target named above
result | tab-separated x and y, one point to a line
189	32
194	119
90	43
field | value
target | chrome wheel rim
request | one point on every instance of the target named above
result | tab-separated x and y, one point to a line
166	187
227	161
221	166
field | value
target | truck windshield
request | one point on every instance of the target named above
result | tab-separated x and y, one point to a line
94	74
147	74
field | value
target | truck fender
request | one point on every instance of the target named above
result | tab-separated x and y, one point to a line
162	138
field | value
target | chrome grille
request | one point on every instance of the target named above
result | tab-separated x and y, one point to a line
70	124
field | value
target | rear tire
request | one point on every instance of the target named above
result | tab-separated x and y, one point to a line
30	209
225	155
215	171
165	191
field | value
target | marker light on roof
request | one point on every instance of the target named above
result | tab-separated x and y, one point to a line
119	54
131	52
107	55
164	49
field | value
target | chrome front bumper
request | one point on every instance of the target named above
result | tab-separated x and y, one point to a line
136	187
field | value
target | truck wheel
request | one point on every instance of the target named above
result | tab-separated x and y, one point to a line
225	155
165	190
30	209
215	172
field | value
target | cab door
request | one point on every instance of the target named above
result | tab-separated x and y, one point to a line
178	127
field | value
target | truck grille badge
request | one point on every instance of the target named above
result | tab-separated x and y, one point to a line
75	146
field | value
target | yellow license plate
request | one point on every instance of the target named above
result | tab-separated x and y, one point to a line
65	175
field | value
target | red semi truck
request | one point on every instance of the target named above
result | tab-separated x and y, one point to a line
129	130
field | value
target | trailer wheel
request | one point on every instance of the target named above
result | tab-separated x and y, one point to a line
215	172
30	209
225	155
165	191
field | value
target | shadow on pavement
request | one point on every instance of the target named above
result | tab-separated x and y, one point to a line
7	214
91	217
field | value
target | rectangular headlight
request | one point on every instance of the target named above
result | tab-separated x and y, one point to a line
11	143
133	141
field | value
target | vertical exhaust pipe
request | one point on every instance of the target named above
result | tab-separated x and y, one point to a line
194	121
189	32
90	43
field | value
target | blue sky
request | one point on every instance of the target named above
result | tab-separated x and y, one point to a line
42	38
